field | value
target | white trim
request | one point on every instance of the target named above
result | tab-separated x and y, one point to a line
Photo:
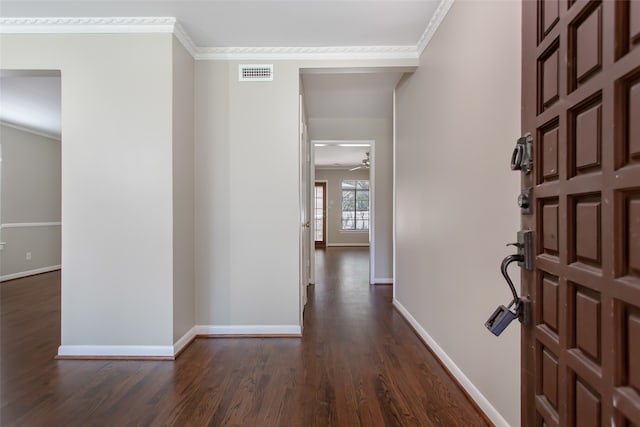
384	280
358	142
305	52
99	25
30	224
87	25
466	383
393	195
372	212
184	38
115	351
29	273
348	244
179	345
30	130
433	25
168	24
293	330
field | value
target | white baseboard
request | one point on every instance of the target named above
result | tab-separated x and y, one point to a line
471	389
170	351
346	245
29	273
179	345
383	280
283	330
30	224
90	351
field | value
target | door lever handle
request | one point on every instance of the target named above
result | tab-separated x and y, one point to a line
525	249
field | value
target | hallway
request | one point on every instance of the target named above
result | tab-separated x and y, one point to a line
359	363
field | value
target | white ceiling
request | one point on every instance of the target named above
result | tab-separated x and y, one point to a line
348	95
261	23
246	23
333	156
31	99
356	95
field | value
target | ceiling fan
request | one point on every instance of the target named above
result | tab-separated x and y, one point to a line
364	165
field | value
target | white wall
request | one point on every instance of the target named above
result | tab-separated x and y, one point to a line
247	194
183	192
117	249
212	193
125	155
247	199
30	196
458	118
380	130
334	178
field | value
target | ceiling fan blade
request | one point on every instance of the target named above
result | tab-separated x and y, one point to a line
356	168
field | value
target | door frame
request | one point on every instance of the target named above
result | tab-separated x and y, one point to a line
372	168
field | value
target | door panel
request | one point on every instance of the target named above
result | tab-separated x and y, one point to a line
581	103
305	214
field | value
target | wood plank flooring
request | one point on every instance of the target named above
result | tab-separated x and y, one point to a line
358	364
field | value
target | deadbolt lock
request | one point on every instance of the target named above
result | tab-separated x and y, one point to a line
524	201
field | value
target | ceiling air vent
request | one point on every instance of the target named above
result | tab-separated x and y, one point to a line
255	73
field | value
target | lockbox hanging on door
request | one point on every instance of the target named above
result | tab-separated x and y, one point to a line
517	308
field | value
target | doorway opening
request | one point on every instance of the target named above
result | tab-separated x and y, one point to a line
342	106
350	193
30	176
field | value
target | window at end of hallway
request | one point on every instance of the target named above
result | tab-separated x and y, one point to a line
355	205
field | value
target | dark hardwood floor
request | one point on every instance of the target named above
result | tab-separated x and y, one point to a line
358	364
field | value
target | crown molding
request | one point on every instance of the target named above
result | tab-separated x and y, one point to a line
302	53
112	25
433	25
87	25
184	38
94	25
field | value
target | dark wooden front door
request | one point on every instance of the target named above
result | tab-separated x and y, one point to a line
581	103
